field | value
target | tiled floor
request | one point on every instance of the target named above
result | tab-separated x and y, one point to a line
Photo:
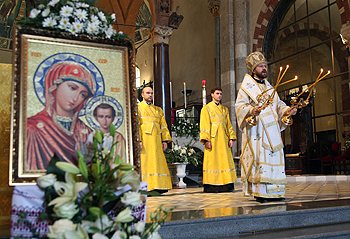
193	200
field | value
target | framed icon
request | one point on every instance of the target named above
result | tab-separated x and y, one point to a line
61	83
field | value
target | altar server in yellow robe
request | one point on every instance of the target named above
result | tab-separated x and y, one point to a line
154	136
262	158
217	134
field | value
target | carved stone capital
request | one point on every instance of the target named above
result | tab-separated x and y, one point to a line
214	7
161	34
162	11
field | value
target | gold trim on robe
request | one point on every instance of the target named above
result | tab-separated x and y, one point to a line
153	131
262	157
216	127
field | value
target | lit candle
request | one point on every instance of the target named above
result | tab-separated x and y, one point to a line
279	84
288	81
312	85
329	72
279	80
317	80
185	95
171	95
279	74
204	93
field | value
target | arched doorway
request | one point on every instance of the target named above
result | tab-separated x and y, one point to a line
304	34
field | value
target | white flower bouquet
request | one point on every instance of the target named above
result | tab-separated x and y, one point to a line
78	200
183	154
74	16
186	128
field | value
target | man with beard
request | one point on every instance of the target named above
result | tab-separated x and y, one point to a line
262	158
154	136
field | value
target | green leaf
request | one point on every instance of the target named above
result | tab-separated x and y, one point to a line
150	193
43	216
110	205
98	184
111	198
52	168
96	169
111	153
125	166
117	160
95	211
98	136
82	166
112	129
95	144
68	167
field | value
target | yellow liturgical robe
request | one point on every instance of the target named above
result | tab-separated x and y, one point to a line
218	166
153	131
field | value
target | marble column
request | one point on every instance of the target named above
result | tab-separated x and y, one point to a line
235	45
161	84
241	38
241	35
227	62
214	8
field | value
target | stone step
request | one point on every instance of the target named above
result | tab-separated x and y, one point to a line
338	230
195	178
304	215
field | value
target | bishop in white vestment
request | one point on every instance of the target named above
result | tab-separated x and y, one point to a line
262	159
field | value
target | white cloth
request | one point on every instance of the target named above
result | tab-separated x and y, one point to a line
30	199
262	158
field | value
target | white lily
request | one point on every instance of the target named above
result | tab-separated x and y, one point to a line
67	191
79	233
68	167
124	216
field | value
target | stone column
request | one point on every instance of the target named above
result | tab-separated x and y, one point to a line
240	35
227	62
161	85
214	8
241	30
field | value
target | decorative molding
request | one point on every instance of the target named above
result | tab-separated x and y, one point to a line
162	12
161	34
214	7
175	19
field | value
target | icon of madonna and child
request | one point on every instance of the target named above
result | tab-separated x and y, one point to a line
70	87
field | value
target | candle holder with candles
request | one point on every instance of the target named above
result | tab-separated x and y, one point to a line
265	100
287	117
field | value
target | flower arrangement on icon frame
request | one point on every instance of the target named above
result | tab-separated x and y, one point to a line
75	17
78	199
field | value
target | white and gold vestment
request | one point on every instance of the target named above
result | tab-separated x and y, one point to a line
262	158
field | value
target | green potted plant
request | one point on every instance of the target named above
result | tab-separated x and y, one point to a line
180	156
